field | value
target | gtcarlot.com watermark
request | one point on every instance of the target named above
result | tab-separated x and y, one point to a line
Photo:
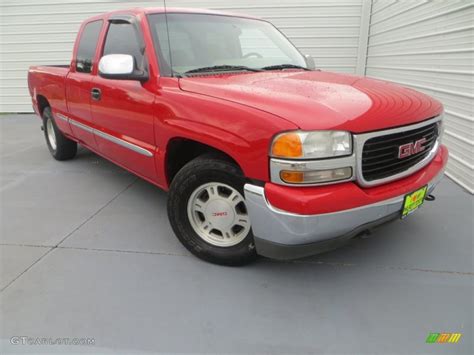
26	340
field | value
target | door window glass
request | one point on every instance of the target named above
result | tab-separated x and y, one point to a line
122	39
87	46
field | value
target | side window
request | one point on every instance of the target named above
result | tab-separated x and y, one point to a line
122	39
87	46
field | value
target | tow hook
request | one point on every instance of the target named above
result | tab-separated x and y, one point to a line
430	198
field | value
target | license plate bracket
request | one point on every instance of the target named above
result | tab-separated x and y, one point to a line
413	201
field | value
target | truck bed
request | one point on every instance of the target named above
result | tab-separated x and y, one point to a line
57	66
49	80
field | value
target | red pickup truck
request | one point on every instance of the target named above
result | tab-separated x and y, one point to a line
261	153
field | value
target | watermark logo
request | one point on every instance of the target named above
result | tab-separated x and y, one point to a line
26	340
443	338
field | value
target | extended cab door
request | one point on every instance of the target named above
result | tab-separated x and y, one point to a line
79	81
122	110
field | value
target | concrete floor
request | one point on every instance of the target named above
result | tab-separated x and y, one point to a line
87	251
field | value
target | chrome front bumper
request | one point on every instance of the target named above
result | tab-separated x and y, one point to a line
283	235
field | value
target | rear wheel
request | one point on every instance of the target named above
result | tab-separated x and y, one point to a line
207	211
60	147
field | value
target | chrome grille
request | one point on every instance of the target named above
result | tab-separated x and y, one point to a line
380	154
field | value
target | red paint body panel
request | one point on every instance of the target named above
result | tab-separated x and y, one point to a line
321	100
125	111
78	88
50	80
239	131
344	196
238	114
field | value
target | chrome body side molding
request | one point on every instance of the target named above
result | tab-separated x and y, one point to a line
110	138
124	143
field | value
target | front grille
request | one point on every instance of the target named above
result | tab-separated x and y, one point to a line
380	154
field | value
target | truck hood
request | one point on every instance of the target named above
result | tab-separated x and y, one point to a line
320	100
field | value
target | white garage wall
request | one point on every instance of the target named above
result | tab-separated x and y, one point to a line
43	32
424	44
429	45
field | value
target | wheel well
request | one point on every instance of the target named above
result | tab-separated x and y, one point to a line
42	103
181	151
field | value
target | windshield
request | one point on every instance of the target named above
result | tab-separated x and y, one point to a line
196	41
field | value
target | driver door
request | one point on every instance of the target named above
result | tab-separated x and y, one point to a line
122	110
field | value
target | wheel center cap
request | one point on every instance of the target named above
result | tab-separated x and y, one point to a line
220	214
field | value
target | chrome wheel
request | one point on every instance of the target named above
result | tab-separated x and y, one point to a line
51	133
218	214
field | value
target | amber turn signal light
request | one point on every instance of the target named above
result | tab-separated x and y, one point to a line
287	145
292	177
315	176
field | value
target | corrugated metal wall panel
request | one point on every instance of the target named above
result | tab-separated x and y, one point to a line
43	32
424	44
429	45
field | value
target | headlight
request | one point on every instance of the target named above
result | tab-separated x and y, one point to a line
311	145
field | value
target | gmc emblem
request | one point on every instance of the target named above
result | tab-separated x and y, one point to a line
219	214
408	149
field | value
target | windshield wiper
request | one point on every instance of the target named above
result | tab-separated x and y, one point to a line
221	68
284	66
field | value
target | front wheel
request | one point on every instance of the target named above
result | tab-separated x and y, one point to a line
207	212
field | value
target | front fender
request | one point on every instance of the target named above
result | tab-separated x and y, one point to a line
239	131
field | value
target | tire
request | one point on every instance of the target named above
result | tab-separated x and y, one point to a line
217	185
60	147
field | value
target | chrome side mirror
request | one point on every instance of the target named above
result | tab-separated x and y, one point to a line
116	64
310	63
121	67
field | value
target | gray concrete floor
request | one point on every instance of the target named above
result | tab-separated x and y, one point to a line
87	251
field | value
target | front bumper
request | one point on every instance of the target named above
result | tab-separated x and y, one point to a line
283	235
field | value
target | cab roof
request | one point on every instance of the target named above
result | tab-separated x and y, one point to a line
160	10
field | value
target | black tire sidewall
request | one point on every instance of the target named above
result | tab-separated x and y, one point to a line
195	174
65	148
47	115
